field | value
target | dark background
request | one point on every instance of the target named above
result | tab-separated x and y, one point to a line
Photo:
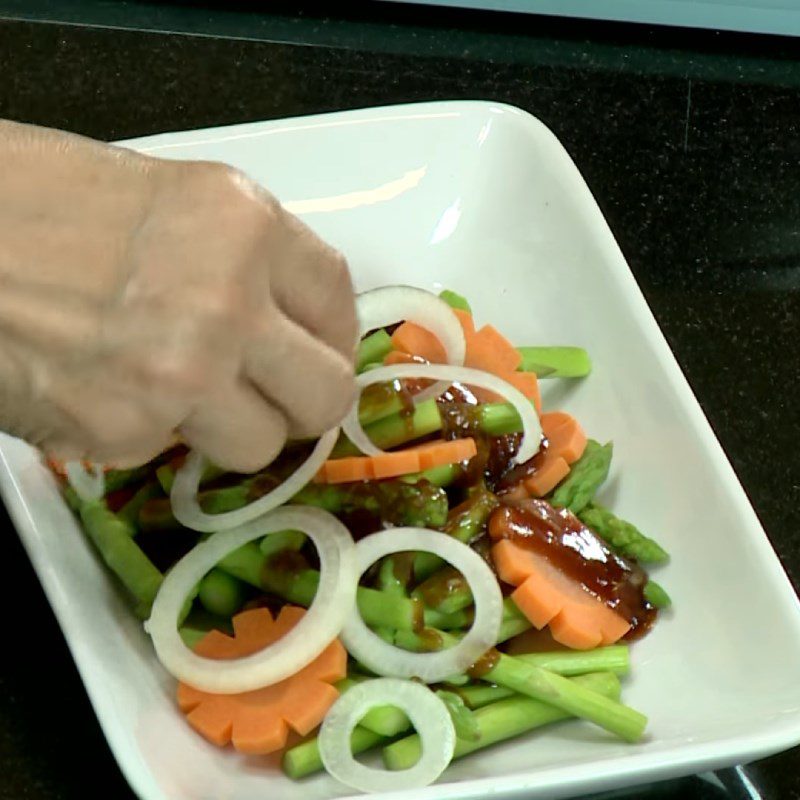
689	140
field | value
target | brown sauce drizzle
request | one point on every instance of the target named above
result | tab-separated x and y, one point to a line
403	566
485	664
579	553
430	640
493	462
447	581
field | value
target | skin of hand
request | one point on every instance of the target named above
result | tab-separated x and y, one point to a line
144	300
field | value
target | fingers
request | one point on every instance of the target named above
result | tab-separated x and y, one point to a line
236	429
112	427
312	383
312	285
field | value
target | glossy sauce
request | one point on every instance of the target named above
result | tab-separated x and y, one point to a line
579	553
430	640
403	567
486	663
368	506
441	585
493	462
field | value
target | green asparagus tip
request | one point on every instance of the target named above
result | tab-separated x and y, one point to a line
455	300
656	595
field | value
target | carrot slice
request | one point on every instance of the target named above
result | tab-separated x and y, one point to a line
489	350
552	471
258	722
389	465
526	382
418	341
546	596
565	436
398	462
401	357
467	323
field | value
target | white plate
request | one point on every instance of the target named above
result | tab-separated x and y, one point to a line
481	198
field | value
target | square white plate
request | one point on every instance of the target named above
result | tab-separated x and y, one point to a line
481	198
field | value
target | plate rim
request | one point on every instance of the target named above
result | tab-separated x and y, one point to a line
613	771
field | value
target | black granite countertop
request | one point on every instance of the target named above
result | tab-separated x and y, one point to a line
690	143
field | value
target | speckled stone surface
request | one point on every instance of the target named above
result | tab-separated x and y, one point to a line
691	145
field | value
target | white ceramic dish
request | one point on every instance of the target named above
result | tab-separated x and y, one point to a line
483	199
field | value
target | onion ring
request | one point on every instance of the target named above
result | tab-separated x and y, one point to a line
427	713
88	487
531	427
386	659
390	304
333	604
186	507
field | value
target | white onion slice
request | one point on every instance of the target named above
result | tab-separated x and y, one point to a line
531	427
88	487
386	659
390	304
187	509
333	604
427	713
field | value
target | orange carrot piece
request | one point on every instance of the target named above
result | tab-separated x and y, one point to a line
346	470
389	465
538	600
565	436
397	462
417	341
513	564
546	596
575	627
552	471
401	357
526	382
489	350
437	454
258	722
467	323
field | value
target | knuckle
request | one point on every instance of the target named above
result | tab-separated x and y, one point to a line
173	368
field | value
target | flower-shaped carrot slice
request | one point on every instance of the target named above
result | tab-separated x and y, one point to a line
258	722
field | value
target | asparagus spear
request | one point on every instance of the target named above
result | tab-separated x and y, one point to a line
656	596
420	504
510	718
455	300
493	419
505	720
464	721
199	622
191	636
113	538
120	478
465	522
446	591
614	659
542	684
378	609
130	511
622	536
304	759
448	622
437	476
585	478
374	347
555	362
384	720
221	593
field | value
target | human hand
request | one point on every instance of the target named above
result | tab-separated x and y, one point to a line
144	299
